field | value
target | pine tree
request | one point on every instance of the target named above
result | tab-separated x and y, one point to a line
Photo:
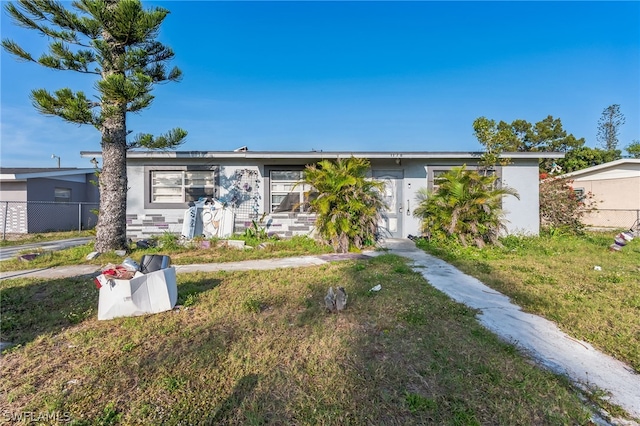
609	127
115	41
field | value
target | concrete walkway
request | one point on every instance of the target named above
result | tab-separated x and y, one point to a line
541	339
11	252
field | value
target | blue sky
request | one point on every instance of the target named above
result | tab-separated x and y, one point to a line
354	76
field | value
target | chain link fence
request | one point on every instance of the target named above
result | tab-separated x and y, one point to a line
610	219
30	217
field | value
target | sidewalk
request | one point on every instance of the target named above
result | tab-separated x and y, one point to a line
10	252
538	337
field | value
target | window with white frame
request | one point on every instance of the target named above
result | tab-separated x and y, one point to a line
62	195
437	179
435	176
181	186
287	192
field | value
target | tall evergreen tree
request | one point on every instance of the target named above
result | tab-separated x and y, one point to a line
609	127
115	40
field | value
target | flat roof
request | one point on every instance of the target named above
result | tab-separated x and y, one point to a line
21	173
603	166
323	154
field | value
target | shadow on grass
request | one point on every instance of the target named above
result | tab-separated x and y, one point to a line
403	355
30	308
243	388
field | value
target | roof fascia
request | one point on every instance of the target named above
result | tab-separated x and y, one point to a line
321	155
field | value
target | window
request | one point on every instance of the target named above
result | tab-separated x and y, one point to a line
435	175
287	195
62	195
437	178
181	186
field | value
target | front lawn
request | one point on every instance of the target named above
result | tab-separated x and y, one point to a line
258	347
592	293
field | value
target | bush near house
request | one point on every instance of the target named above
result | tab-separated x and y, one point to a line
348	204
465	207
561	208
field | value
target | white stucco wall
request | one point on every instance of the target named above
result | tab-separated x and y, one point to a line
522	175
523	215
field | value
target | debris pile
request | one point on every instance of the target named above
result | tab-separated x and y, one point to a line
132	289
336	301
621	240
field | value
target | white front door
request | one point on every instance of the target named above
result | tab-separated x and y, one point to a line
390	225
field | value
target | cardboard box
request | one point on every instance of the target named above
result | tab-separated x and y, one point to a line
143	294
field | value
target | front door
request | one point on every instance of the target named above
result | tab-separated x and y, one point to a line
390	225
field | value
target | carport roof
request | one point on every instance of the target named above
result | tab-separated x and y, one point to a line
22	173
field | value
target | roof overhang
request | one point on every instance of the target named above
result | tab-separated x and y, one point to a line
599	167
322	154
24	175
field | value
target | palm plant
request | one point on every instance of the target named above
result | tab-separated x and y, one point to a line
347	205
467	205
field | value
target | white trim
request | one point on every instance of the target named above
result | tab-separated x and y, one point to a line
261	155
44	174
610	164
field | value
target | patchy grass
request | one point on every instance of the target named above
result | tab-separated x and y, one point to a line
18	239
593	294
180	255
259	348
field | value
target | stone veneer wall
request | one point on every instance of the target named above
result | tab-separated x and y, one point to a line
282	224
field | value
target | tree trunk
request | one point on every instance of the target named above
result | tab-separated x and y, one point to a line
111	230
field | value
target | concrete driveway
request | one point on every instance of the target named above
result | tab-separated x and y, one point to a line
11	252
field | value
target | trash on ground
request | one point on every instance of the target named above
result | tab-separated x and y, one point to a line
597	268
154	262
376	288
336	301
93	255
621	240
341	299
28	257
145	244
132	289
130	264
209	218
237	244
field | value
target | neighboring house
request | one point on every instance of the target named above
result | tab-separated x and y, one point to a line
262	185
615	188
47	199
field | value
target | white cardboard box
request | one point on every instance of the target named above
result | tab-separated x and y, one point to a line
143	294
